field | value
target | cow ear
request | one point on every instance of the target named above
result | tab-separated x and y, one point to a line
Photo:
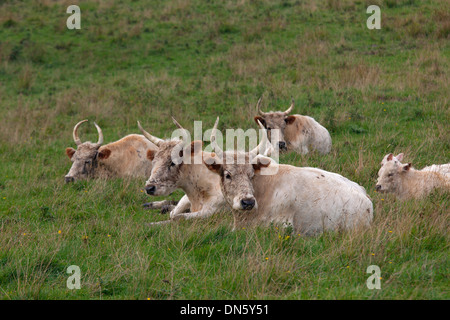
389	157
406	167
151	154
210	163
260	119
70	152
196	146
399	157
289	119
104	154
261	162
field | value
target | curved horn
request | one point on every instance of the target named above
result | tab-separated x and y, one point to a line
75	132
258	106
290	108
153	139
217	149
177	124
100	135
262	144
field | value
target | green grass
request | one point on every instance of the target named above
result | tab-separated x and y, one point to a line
377	91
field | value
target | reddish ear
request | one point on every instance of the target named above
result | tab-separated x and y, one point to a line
150	154
390	156
196	146
210	163
261	164
104	154
70	152
290	119
406	167
260	119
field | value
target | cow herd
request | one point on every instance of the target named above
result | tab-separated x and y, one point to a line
258	190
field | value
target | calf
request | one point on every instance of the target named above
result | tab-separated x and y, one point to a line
295	132
405	182
309	199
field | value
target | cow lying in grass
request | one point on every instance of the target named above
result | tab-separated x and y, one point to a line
297	133
202	187
309	199
126	157
405	182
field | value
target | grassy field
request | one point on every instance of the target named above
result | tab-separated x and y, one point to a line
377	91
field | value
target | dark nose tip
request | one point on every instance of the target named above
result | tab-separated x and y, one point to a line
247	204
378	187
282	145
69	179
150	189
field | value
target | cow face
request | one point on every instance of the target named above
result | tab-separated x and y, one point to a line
390	175
85	160
165	172
166	168
236	179
275	124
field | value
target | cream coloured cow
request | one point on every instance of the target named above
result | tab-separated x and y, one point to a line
311	200
202	187
126	157
297	133
405	182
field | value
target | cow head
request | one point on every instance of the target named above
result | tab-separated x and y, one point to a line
236	177
86	157
276	120
391	173
390	157
166	170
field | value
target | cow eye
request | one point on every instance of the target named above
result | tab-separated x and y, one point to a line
228	176
390	174
87	161
172	164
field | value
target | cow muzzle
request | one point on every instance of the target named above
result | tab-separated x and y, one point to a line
282	145
378	187
69	179
248	204
150	189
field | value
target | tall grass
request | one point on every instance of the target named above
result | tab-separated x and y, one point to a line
377	91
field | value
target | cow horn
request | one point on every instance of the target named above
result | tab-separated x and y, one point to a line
153	139
75	133
258	106
217	149
100	135
177	124
185	132
262	146
290	108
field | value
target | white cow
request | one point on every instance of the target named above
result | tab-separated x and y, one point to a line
311	200
406	182
297	133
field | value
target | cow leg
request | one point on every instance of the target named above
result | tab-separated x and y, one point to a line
183	205
165	205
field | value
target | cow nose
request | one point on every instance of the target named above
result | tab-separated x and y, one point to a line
247	204
282	145
69	179
378	187
150	189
